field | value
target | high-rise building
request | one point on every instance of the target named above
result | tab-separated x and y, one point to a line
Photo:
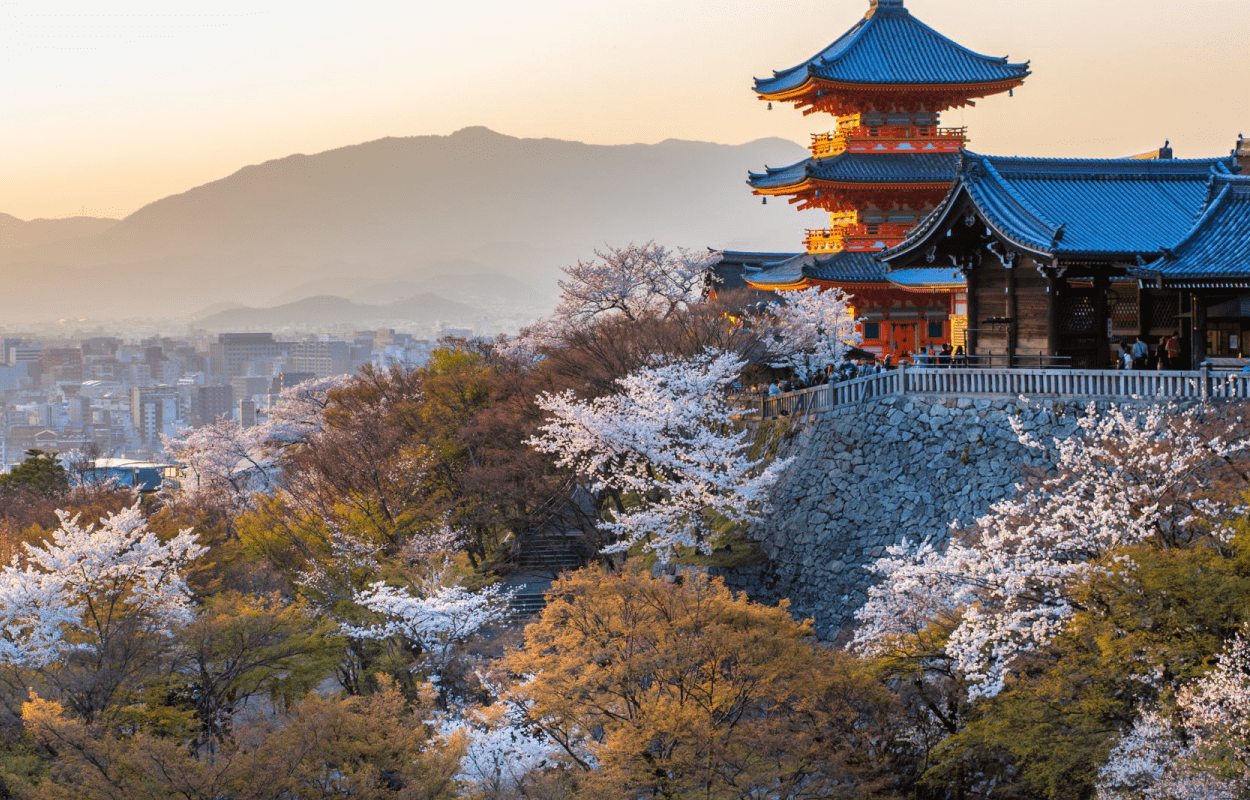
323	359
235	354
153	411
211	402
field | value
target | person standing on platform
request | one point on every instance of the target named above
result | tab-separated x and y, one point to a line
1173	344
1126	356
1141	353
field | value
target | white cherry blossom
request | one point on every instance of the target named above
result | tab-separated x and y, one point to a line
79	589
812	329
436	618
666	444
1003	587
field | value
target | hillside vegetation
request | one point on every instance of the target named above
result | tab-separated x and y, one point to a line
317	609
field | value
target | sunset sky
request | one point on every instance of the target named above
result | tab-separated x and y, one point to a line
108	106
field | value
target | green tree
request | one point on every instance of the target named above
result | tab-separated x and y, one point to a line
41	475
241	647
681	689
373	748
1153	621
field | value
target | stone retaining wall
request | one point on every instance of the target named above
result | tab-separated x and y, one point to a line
866	477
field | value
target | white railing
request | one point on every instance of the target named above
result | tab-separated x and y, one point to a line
1081	385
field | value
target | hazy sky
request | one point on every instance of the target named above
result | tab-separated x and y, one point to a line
107	106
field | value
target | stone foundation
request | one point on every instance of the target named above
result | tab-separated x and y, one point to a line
867	477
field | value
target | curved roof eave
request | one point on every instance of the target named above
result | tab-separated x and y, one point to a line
851	168
890	46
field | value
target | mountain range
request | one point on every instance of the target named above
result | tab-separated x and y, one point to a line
489	218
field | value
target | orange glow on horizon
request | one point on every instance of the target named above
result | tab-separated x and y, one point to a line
111	108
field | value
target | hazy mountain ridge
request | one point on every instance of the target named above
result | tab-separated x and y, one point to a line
393	209
17	234
315	311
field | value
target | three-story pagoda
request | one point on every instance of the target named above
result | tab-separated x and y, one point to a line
887	163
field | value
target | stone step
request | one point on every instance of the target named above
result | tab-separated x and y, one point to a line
525	605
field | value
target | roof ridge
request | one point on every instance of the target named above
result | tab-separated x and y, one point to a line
1161	164
968	50
1017	197
1210	211
810	64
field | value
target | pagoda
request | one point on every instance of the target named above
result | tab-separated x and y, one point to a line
886	165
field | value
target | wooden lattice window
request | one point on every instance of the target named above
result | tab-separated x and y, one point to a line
1076	314
1124	312
1163	311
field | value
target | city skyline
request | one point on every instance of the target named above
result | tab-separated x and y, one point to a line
115	110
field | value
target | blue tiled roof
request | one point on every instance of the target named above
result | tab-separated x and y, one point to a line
843	267
736	265
1074	207
890	46
927	278
849	167
1218	245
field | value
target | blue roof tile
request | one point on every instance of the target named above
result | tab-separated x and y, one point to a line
850	167
843	267
735	266
1101	208
891	47
1218	246
927	278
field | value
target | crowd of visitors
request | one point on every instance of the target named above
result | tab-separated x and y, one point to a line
851	368
1139	355
1166	355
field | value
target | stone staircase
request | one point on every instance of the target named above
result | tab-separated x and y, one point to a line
551	553
543	557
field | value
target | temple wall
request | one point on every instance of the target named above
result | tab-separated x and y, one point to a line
868	477
1032	303
991	298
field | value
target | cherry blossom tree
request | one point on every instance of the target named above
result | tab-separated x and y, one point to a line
635	282
440	615
300	411
226	464
812	328
79	608
664	446
1216	711
503	748
1003	588
1200	753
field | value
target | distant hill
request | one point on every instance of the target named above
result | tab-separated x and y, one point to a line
394	210
17	234
470	283
327	310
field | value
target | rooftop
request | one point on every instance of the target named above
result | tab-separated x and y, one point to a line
735	267
1101	208
928	278
866	168
1217	248
889	46
844	267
